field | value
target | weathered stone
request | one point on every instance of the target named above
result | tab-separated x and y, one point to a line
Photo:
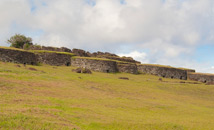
201	77
190	70
62	49
80	52
111	56
125	78
86	71
102	54
17	56
17	66
82	70
55	59
127	68
95	65
162	71
33	69
78	70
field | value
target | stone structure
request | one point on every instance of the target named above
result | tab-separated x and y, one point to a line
55	59
188	70
17	56
117	64
25	57
105	55
102	54
62	49
79	52
127	68
205	78
111	56
95	64
163	71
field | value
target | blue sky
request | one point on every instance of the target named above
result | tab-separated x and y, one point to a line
171	32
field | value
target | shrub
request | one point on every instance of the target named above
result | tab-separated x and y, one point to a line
20	41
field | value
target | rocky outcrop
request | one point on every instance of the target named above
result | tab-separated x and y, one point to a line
163	71
95	64
55	59
205	78
127	68
79	52
111	56
82	53
17	56
62	49
102	54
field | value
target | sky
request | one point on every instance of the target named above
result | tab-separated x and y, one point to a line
178	33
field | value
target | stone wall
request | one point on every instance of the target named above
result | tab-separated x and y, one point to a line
55	59
127	68
162	71
100	65
205	78
95	65
17	56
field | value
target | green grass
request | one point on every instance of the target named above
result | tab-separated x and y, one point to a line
45	51
12	48
38	51
102	59
57	98
165	66
208	74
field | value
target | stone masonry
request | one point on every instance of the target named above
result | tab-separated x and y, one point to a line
55	59
127	68
95	64
166	72
205	78
17	56
98	64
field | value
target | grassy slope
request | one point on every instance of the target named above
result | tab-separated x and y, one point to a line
56	98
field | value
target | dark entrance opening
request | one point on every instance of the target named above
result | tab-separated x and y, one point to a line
32	63
181	77
172	77
107	71
205	81
163	76
68	64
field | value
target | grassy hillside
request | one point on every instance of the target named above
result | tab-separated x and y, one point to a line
57	98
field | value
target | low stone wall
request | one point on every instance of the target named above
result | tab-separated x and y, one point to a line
95	65
55	59
127	68
17	56
205	78
166	72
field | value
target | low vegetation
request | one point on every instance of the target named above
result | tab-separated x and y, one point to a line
97	58
20	41
57	98
46	51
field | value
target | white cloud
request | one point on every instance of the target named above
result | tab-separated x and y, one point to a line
139	56
167	29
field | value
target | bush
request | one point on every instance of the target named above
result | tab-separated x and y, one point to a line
20	41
